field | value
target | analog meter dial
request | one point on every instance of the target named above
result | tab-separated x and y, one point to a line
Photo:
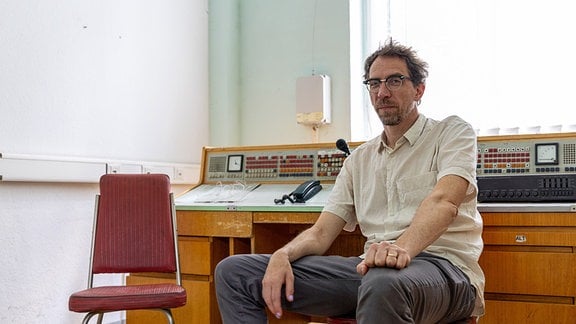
235	163
547	154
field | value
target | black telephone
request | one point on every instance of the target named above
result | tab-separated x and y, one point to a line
305	191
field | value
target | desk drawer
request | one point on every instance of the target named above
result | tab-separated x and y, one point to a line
285	218
195	255
207	223
498	312
530	273
541	236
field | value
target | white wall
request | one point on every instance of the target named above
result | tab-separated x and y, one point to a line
121	80
277	41
104	79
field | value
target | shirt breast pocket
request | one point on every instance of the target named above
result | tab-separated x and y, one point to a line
412	190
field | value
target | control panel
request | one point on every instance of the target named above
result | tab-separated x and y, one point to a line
511	168
285	163
527	168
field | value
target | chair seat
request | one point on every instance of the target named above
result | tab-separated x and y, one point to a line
115	298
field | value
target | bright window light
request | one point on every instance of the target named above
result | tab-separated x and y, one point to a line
504	66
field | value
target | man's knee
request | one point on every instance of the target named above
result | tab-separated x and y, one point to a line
223	267
228	268
382	282
236	267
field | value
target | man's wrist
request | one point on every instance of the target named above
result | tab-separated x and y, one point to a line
281	253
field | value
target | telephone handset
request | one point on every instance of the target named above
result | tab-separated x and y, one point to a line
302	193
306	190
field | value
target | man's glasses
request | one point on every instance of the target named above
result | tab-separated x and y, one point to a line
393	82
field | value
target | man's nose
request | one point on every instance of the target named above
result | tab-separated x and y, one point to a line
383	91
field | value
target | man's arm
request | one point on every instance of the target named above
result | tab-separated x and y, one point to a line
436	212
314	241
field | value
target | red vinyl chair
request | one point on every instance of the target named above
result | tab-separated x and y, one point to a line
134	232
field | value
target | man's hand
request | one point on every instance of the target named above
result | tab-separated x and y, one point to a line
384	254
278	274
313	241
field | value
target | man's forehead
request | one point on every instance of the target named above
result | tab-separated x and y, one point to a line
388	65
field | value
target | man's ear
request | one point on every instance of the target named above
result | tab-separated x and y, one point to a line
420	91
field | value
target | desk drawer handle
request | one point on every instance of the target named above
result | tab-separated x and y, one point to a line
521	238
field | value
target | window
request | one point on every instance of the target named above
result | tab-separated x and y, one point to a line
504	66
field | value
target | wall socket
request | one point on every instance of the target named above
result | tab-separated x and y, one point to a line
179	174
124	168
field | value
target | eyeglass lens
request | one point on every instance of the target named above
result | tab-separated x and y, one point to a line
391	83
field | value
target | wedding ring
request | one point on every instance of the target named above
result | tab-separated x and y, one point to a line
392	255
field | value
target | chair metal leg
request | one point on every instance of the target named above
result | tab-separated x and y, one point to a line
89	316
166	311
168	314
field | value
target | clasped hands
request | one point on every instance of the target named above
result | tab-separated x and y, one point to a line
384	254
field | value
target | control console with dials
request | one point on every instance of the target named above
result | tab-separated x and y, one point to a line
527	168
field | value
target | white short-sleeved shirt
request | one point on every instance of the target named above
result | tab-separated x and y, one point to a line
380	188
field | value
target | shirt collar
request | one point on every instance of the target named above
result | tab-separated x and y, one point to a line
411	135
416	130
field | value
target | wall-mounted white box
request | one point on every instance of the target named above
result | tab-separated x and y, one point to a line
313	104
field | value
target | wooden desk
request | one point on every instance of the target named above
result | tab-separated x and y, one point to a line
529	260
529	257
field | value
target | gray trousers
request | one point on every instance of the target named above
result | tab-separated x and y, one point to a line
429	290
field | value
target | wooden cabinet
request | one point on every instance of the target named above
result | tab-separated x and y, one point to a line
529	260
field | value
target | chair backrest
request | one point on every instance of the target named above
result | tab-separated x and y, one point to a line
134	228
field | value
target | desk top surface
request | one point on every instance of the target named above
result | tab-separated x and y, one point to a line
248	197
260	197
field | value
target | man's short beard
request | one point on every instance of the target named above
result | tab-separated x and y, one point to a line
396	117
391	120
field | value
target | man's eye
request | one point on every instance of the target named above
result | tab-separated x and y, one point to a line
374	83
394	81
